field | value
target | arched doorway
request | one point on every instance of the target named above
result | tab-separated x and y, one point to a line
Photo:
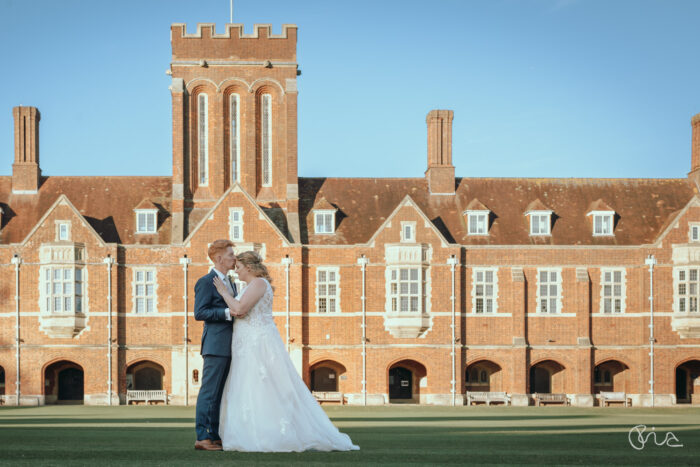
483	375
325	376
2	381
405	379
547	377
144	376
610	376
64	383
688	382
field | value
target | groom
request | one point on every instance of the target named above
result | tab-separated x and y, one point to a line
210	307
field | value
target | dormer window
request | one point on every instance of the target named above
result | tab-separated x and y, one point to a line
602	223
63	231
324	221
478	222
408	232
146	221
540	222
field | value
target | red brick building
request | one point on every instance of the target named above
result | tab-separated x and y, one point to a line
386	289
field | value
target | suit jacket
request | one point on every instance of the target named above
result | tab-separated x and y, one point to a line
210	307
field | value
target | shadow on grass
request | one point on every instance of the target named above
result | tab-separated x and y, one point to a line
385	445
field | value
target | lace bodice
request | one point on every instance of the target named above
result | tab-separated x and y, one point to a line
261	313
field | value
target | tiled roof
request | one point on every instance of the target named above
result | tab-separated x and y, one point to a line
107	203
644	207
476	205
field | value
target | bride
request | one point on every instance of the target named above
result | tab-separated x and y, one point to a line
266	406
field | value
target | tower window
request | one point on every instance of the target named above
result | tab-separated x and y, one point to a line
266	127
235	138
203	139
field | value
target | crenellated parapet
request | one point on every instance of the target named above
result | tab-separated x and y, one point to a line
233	44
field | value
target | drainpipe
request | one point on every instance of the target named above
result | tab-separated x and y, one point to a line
287	261
651	261
109	261
452	261
362	261
16	260
185	261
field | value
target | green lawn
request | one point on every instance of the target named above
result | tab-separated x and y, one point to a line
399	435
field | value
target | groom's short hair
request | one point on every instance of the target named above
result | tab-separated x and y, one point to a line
218	247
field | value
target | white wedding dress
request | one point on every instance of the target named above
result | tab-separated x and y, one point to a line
266	407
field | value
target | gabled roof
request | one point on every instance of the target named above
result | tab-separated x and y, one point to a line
236	188
407	201
536	205
106	203
146	204
599	206
476	205
63	201
323	204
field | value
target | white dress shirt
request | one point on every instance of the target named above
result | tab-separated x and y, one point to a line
226	282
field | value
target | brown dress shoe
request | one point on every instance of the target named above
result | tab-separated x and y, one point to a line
207	445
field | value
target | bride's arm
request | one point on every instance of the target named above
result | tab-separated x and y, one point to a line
254	291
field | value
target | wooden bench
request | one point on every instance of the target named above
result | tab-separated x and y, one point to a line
541	399
487	397
148	397
329	396
607	397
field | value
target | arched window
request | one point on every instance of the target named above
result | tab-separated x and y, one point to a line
235	116
203	138
266	135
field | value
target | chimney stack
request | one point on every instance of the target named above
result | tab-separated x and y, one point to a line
26	174
441	172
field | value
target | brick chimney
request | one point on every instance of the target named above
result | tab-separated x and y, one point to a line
441	172
26	174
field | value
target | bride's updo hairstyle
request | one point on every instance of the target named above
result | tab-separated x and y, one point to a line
253	261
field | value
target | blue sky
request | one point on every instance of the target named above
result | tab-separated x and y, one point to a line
540	88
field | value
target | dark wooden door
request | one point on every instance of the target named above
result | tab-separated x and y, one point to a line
540	381
400	383
681	385
324	379
70	385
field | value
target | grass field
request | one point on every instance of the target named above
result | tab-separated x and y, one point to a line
399	435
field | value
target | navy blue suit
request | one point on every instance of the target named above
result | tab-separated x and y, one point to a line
210	307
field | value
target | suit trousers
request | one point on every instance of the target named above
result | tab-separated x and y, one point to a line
214	373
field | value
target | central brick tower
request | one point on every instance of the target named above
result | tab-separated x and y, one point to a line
234	98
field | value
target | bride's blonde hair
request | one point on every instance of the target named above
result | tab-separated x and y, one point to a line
253	261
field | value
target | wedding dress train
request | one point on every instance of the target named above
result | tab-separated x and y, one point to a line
265	405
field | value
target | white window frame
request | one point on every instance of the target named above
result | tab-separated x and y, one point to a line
63	227
480	219
321	227
323	281
694	232
149	213
608	292
395	295
480	288
603	216
75	297
232	212
235	136
203	138
266	139
408	232
552	299
686	290
541	216
145	296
